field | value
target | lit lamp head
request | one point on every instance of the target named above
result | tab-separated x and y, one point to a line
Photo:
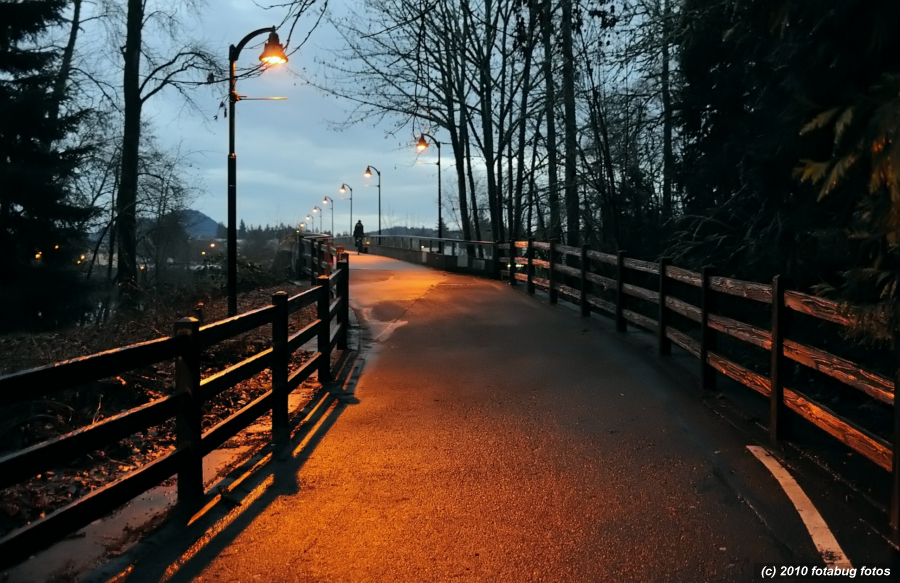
342	190
325	200
273	52
368	172
422	145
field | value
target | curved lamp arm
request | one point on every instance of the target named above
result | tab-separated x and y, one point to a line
234	51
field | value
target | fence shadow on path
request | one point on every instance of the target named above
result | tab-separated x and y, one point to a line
192	539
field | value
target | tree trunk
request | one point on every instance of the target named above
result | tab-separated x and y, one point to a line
608	214
529	231
464	157
668	161
111	250
501	128
512	202
571	139
128	183
550	140
452	91
476	215
508	138
523	110
65	66
487	125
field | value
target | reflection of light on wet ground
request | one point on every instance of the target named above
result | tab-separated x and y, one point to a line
310	434
323	408
317	416
121	576
200	513
220	525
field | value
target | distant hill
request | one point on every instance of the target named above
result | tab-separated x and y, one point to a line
198	225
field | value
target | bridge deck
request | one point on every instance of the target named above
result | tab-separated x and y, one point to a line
491	437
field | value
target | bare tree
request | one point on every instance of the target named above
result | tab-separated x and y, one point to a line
406	61
570	127
181	67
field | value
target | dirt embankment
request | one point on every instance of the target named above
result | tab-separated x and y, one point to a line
36	421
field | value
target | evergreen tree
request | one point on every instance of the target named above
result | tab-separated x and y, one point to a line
790	113
854	118
445	230
37	220
750	69
242	230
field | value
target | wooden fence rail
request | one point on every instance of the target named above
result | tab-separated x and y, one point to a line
191	391
567	267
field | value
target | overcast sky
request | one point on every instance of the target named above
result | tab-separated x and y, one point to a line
288	158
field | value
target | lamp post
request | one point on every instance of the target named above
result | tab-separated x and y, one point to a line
325	201
368	174
273	54
345	188
318	210
421	148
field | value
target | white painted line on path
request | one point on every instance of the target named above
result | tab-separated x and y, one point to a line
821	535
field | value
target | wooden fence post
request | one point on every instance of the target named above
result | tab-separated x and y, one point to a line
198	312
621	326
324	330
529	269
512	263
551	277
320	255
299	265
496	256
585	306
895	455
187	424
779	416
312	263
665	345
707	335
344	310
329	257
280	366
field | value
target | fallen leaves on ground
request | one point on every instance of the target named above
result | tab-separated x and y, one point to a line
33	422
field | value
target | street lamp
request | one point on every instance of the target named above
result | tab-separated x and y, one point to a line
421	146
368	174
345	188
326	200
273	54
318	210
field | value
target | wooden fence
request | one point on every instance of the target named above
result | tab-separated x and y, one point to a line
185	346
315	256
782	350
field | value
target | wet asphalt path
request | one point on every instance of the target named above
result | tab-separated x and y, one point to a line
495	438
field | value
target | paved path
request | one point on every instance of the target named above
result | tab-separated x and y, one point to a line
495	438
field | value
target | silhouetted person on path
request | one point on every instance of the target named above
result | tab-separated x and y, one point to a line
358	234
